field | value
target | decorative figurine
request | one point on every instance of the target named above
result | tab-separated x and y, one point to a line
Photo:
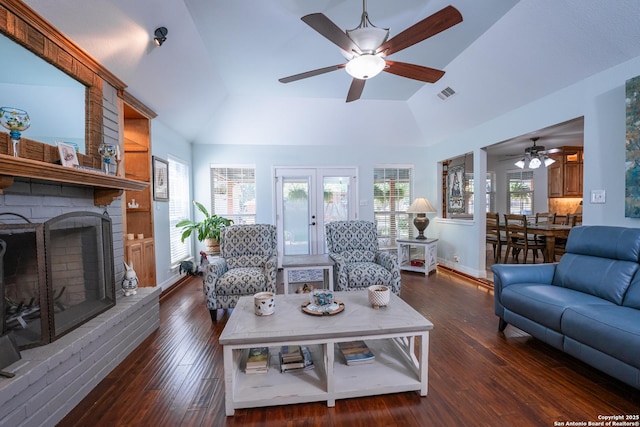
129	281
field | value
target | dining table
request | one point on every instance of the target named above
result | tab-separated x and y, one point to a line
551	233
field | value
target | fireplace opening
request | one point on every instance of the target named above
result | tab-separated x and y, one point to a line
54	276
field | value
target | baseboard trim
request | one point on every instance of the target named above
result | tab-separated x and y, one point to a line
476	280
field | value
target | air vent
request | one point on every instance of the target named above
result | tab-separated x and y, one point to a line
446	93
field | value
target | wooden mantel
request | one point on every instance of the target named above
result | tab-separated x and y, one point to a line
105	187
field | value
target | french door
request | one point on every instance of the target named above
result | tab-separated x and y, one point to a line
307	199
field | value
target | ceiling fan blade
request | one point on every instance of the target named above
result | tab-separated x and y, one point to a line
357	85
428	27
413	71
310	73
331	31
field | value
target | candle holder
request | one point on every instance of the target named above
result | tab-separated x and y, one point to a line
15	120
107	152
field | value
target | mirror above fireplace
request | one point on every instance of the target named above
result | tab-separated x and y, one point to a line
54	100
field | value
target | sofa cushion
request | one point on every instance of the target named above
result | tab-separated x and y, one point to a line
603	277
620	243
365	274
544	304
612	330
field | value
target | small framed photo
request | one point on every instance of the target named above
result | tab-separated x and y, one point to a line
68	155
160	179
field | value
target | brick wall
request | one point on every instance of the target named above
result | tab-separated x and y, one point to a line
51	380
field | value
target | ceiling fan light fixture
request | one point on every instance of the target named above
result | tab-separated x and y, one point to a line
534	163
548	161
520	163
368	39
365	66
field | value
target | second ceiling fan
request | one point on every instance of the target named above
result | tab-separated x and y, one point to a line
367	46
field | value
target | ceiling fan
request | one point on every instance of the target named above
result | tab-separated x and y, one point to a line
366	47
536	155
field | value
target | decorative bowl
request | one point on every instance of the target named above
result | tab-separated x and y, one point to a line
379	295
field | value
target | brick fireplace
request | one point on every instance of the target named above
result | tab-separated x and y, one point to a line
52	379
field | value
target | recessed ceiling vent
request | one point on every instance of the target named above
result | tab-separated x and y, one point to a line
446	93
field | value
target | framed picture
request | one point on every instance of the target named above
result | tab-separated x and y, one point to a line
160	179
68	156
455	189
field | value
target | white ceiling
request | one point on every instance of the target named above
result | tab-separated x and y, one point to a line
505	53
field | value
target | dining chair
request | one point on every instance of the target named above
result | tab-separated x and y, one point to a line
561	219
560	244
547	217
519	239
495	235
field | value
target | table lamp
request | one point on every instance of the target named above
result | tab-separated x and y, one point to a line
15	121
421	206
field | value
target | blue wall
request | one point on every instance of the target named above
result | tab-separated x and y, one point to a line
600	99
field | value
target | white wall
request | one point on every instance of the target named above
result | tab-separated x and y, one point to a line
601	100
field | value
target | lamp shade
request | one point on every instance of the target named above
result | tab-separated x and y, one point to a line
365	66
421	205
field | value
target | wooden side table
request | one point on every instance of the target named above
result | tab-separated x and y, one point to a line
423	264
307	262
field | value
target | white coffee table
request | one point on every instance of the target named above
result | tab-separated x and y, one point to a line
389	332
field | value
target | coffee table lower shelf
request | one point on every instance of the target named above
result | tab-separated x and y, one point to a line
395	369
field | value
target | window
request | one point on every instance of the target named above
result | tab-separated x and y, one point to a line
391	199
234	193
179	209
489	192
520	192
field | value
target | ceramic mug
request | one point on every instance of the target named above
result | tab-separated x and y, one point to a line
264	303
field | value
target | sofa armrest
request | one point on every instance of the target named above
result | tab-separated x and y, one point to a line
341	278
508	274
271	271
216	267
387	260
214	270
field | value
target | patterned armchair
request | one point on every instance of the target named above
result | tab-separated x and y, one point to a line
247	265
353	245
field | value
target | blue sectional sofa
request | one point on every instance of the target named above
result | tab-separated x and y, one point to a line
587	305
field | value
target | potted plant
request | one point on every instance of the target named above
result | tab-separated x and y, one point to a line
207	230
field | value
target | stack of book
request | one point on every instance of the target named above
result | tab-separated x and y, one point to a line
257	360
356	352
295	357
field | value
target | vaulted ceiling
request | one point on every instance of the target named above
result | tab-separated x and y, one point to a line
504	54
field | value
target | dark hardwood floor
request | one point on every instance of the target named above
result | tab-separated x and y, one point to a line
477	376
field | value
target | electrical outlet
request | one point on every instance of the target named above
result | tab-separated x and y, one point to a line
456	258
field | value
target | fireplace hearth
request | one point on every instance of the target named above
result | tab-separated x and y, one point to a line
54	276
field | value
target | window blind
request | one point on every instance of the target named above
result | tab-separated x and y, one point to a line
233	193
391	198
179	209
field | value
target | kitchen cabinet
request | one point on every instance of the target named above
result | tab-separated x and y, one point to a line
564	177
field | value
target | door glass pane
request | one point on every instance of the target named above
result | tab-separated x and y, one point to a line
295	216
335	198
335	195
